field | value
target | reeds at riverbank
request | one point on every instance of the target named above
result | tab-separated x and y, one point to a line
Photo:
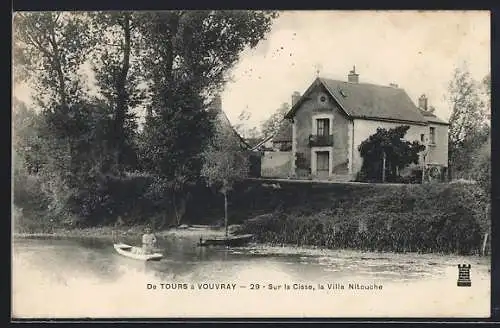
438	218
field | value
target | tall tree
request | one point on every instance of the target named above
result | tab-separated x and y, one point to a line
486	93
468	121
49	49
116	64
388	148
274	122
187	60
224	164
52	47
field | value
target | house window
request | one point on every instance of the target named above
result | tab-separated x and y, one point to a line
322	161
323	127
432	135
422	137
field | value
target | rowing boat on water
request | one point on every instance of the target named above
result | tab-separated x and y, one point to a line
135	253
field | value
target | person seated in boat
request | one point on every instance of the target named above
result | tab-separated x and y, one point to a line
148	241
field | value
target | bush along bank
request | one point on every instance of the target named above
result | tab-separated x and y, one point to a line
439	218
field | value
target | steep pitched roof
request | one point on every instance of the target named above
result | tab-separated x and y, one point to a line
369	101
221	117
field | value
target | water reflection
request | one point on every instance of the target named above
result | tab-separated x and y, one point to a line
183	256
68	267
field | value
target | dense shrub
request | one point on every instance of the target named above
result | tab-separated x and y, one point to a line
414	218
101	202
109	197
431	217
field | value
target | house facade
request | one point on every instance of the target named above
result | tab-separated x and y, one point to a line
332	118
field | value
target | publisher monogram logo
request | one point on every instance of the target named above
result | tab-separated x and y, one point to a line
464	275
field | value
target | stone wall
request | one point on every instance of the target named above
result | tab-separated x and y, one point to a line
276	164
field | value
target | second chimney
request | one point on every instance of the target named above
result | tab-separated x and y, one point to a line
353	77
295	97
422	102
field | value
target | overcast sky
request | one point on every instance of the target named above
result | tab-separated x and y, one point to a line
416	50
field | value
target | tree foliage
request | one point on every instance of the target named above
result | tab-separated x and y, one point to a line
399	153
469	127
486	93
275	121
169	63
188	58
26	140
224	162
49	49
482	166
52	47
117	70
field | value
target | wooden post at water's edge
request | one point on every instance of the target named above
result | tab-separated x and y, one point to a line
383	168
225	214
483	249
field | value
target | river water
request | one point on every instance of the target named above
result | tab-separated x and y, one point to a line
75	278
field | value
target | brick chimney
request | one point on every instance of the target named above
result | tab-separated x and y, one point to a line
422	102
295	97
353	77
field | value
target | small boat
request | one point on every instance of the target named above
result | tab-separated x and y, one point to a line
130	251
234	241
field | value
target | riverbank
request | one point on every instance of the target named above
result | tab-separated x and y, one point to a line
111	233
430	218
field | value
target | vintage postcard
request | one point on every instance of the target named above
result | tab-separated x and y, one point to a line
251	164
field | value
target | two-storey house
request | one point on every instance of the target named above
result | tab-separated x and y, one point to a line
332	118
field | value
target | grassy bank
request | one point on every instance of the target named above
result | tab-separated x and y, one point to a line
449	218
444	218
